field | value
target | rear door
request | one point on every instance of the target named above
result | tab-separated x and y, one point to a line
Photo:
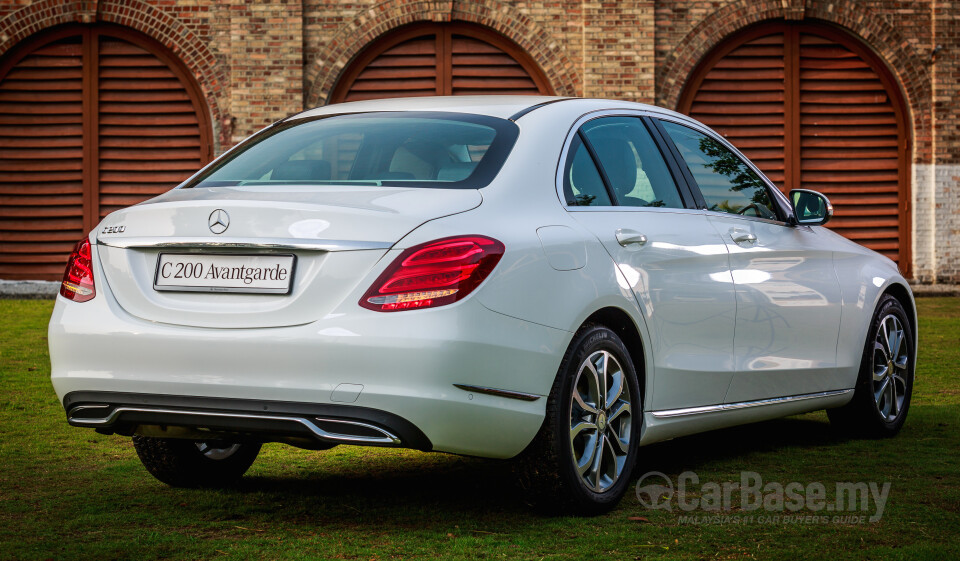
788	295
616	183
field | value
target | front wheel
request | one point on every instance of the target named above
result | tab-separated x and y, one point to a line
191	463
582	459
885	383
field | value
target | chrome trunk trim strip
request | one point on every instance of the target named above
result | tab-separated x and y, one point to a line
388	438
242	243
499	393
745	404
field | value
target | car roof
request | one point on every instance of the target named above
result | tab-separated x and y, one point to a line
502	106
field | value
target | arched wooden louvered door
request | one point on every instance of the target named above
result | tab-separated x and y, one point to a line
92	119
814	109
440	59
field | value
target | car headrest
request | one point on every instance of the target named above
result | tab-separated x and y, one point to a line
618	161
388	175
580	173
302	170
455	171
811	206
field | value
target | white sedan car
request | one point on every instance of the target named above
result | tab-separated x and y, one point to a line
558	280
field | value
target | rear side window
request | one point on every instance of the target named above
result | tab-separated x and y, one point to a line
397	149
726	182
633	163
582	184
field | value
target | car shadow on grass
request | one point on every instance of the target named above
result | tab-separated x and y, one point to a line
777	437
405	487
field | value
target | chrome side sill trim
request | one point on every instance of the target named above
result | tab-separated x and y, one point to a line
387	438
499	393
242	243
745	404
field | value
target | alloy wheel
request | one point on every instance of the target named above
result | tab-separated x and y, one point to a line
600	421
215	453
890	362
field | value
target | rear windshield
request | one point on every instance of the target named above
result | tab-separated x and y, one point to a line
394	149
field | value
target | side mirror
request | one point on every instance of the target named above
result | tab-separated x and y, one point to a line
810	208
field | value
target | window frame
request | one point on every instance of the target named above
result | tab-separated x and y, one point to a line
646	118
781	205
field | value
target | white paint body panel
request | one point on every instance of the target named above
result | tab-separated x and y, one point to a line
788	309
682	293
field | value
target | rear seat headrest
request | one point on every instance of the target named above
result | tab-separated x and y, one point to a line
455	171
302	170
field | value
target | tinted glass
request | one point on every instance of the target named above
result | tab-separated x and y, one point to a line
632	162
410	149
582	185
726	182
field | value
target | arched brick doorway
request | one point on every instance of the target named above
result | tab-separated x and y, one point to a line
440	59
93	118
814	108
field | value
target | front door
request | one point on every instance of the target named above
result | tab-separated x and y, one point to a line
788	295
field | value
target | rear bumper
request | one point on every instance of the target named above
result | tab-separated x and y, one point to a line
306	423
404	366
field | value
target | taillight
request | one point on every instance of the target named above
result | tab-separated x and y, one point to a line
77	282
434	274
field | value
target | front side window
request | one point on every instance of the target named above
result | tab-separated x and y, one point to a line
395	149
726	182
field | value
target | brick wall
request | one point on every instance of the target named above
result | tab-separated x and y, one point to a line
266	70
946	68
602	49
257	61
618	50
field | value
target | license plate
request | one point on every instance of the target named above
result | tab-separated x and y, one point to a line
194	272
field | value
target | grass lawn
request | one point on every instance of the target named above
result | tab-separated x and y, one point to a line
69	493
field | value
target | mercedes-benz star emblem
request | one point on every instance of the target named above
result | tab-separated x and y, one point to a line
219	221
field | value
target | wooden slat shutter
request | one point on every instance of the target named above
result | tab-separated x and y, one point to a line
440	59
405	70
92	119
41	160
814	110
479	68
148	129
848	142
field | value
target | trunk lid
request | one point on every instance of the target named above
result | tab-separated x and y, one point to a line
337	235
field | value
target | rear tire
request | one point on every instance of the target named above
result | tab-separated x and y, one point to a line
885	382
582	459
191	463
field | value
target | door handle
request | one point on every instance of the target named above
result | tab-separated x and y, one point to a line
628	238
739	236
